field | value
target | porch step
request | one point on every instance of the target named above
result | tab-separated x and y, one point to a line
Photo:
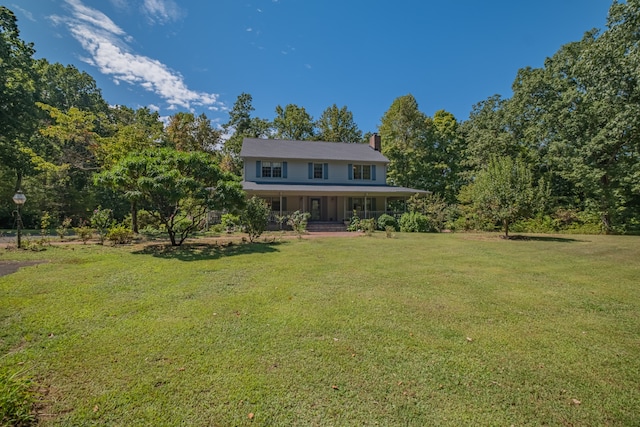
326	227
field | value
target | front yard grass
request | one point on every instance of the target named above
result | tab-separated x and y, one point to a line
437	329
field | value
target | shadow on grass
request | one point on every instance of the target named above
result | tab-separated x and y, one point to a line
206	251
545	239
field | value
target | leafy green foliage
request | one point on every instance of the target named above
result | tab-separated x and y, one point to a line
84	232
230	221
414	222
298	222
368	225
255	217
181	187
504	192
337	125
354	222
120	234
101	221
63	229
385	221
293	122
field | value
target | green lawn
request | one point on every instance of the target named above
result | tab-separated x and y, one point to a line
435	329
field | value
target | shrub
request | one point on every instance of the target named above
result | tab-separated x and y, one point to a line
16	400
387	220
45	223
120	234
230	222
414	222
101	220
84	232
354	223
255	217
368	225
298	222
63	228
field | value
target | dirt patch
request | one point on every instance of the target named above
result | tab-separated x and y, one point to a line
8	267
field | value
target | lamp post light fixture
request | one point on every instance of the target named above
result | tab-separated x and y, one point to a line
19	198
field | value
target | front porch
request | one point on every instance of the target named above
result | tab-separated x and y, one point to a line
335	209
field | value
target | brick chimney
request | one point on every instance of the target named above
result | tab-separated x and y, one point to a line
375	142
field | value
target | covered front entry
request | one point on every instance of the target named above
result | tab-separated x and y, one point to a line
322	208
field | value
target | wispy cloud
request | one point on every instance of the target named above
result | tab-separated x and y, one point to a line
107	46
25	12
162	11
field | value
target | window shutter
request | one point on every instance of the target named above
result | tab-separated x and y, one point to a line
258	169
284	169
310	170
373	172
350	170
284	203
326	171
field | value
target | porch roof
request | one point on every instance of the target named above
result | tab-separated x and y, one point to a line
301	189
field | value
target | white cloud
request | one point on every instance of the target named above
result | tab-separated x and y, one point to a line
162	11
106	45
25	12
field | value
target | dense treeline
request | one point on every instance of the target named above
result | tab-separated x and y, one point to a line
570	132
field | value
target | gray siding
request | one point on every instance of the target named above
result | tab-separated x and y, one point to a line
298	172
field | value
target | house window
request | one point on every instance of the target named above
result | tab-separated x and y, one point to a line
274	203
271	169
358	204
318	170
362	172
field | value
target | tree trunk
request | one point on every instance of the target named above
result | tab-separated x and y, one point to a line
505	223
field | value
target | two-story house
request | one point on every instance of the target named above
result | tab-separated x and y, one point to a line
327	179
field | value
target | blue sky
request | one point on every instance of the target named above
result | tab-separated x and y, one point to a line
199	56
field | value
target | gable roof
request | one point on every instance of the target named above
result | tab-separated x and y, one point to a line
309	150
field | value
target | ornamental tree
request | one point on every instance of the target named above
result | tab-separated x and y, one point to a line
504	191
180	187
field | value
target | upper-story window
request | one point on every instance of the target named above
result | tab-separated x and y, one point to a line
270	169
362	172
318	170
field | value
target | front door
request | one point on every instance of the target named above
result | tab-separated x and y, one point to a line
315	209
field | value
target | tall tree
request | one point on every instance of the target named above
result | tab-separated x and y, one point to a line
18	113
488	133
241	125
337	125
446	146
582	111
186	132
404	134
293	122
64	87
132	131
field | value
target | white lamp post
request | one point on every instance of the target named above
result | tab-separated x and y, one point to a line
19	198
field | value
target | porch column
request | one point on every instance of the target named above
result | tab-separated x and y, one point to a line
280	203
365	205
386	204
